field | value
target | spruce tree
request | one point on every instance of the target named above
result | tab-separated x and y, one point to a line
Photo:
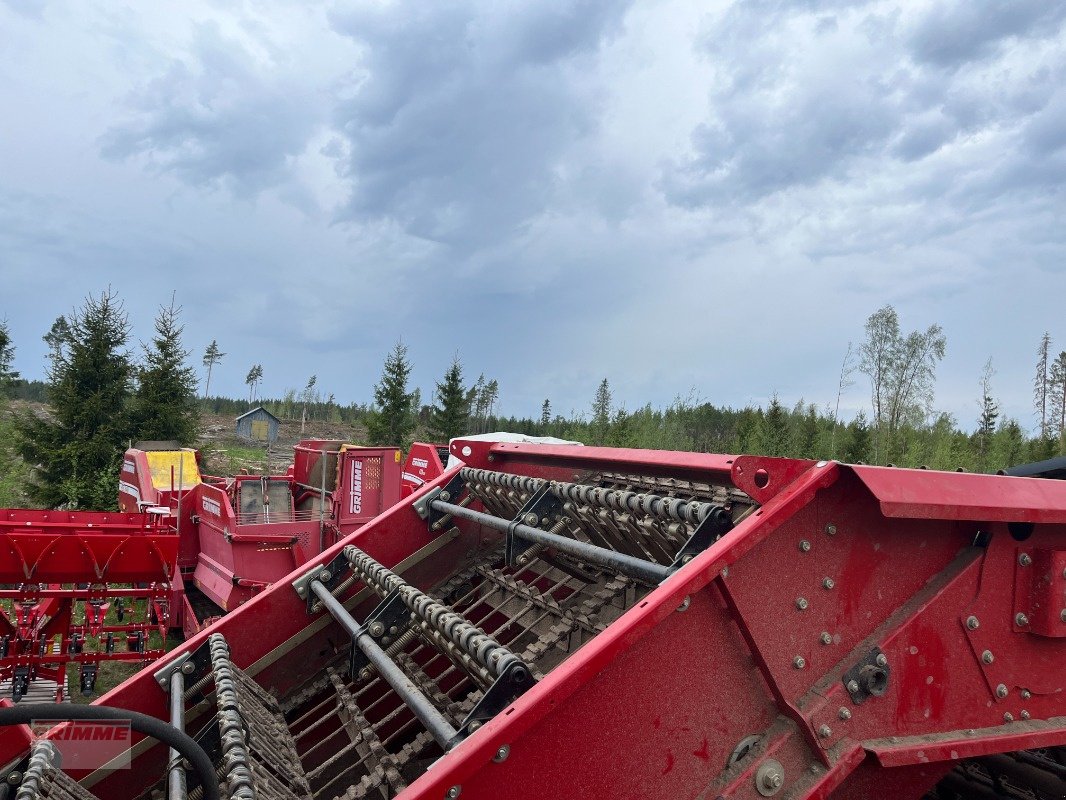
601	413
392	418
450	415
771	437
545	414
165	402
78	449
8	376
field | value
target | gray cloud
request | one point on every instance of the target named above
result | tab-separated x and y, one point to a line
218	117
460	112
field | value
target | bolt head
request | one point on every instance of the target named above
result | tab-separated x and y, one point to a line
828	583
188	668
454	792
799	662
1025	560
324	576
972	623
1001	691
805	546
376	629
532	519
853	686
1021	620
831	529
1008	717
987	657
881	660
1026	694
826	638
364	673
501	753
14	778
801	603
825	731
844	713
445	496
769	778
1062	615
1025	715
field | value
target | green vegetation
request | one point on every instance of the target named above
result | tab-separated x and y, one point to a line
165	406
450	415
392	418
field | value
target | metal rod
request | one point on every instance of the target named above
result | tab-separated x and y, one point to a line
176	788
322	505
435	722
638	568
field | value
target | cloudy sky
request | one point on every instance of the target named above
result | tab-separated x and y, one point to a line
677	196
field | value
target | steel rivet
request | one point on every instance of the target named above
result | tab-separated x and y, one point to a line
1026	694
1001	691
1021	620
799	662
972	623
853	686
881	660
831	529
501	753
987	657
826	638
14	778
801	603
825	731
844	713
1024	560
1008	717
455	791
1025	715
828	583
805	546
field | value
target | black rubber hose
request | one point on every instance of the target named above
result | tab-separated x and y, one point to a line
25	713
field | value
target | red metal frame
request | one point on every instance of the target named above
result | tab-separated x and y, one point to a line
899	560
63	562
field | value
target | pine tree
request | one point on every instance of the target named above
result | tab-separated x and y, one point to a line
392	418
450	414
165	406
252	379
1056	404
601	413
212	355
858	447
1042	383
771	436
545	414
78	450
8	376
986	423
307	396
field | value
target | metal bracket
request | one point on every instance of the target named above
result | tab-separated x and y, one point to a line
329	575
449	493
868	678
714	526
387	621
541	507
194	665
512	683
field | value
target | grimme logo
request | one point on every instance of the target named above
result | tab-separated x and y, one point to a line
421	463
357	487
88	744
211	506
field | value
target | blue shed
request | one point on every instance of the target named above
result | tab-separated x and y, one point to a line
258	425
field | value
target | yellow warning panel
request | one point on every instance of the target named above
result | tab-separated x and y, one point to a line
186	474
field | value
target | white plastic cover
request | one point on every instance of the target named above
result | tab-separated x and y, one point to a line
503	436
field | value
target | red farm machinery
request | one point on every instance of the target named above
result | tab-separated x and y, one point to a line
580	622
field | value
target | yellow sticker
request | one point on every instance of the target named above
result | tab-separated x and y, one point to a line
397	456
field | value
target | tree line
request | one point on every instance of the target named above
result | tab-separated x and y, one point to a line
100	397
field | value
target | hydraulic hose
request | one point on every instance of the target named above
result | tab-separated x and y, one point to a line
25	713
